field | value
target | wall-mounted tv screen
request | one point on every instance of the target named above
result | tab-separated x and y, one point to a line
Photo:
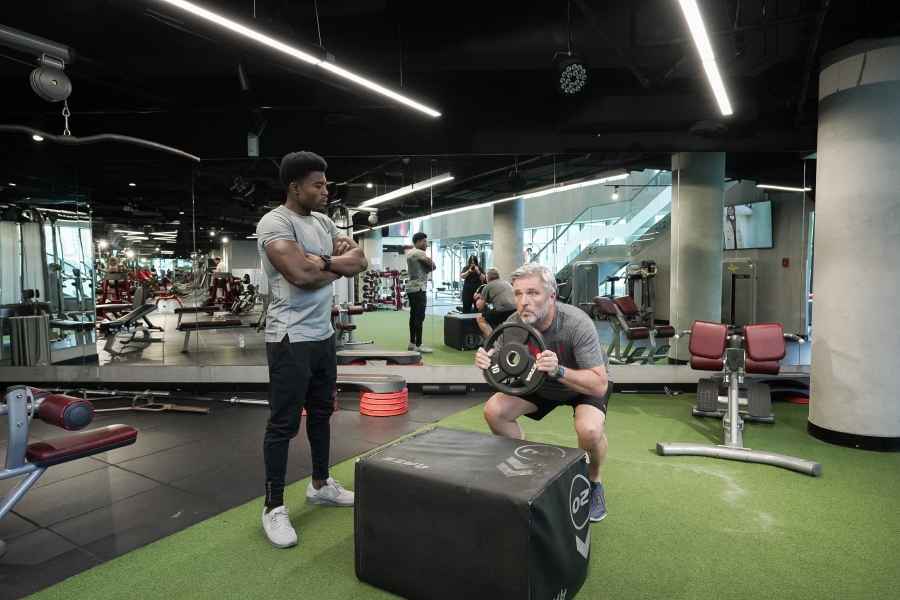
399	230
748	226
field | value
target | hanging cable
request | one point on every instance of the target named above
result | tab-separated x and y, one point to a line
316	5
400	43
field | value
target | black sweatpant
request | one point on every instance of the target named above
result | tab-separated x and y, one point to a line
418	303
301	374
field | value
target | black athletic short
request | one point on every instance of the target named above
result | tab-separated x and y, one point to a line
496	318
545	407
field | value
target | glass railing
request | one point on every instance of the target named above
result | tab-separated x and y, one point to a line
635	219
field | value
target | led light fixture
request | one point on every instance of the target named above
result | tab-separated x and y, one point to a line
615	194
704	48
571	74
298	54
783	188
553	190
409	189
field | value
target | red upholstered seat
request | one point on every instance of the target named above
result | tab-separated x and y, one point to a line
63	449
665	331
698	363
708	340
637	333
347	326
66	412
209	324
605	306
764	342
626	305
766	367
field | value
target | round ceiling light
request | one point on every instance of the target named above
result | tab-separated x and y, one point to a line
571	76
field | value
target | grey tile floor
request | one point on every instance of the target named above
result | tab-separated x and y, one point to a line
184	468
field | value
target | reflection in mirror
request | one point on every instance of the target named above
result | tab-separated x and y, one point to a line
142	244
46	308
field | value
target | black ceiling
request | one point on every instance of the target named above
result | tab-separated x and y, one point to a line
487	67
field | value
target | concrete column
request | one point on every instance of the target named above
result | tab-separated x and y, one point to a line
373	248
509	236
855	347
698	202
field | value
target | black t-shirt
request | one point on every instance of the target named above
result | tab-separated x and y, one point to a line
472	281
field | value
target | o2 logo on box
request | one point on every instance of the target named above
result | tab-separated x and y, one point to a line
473	340
580	512
580	501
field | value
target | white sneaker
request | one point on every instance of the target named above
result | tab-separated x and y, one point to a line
411	347
278	528
423	349
330	494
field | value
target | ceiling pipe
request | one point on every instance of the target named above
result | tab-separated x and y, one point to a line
810	58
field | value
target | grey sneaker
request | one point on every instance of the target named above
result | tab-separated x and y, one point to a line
330	494
598	502
411	346
277	527
423	349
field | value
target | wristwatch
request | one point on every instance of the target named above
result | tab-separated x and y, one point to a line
560	372
327	259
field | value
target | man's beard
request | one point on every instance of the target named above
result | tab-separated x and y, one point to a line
536	317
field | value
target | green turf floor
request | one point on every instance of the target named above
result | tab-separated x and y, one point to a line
678	527
389	329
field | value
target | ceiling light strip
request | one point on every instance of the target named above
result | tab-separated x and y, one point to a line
308	58
783	188
409	189
562	188
704	49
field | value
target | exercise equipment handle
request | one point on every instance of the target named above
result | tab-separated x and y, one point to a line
794	337
681	334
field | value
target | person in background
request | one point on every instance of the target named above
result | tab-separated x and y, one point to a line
113	267
472	277
419	266
736	234
500	295
220	267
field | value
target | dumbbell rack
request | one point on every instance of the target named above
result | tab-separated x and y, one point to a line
382	289
390	286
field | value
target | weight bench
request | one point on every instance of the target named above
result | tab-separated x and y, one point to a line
80	327
617	312
115	309
188	327
126	325
359	357
195	310
22	405
758	349
340	316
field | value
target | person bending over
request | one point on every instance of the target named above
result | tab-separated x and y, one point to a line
302	253
472	277
419	266
577	373
498	293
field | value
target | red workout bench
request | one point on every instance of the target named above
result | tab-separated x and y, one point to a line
31	460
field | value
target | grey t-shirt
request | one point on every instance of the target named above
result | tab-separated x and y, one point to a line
499	293
418	272
573	336
305	315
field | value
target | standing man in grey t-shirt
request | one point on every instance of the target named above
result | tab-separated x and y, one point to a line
302	253
419	266
577	372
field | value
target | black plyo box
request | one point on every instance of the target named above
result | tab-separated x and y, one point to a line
462	332
451	514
